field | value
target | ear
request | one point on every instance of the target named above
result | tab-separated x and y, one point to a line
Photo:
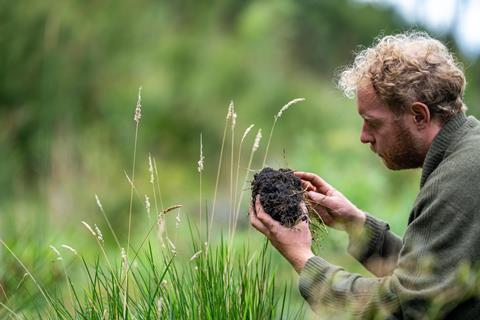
420	114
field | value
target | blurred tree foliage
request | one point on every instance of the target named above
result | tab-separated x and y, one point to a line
70	70
69	75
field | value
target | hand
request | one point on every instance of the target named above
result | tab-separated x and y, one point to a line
331	206
293	243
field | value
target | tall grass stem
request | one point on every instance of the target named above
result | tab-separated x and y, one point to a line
275	118
212	216
232	148
137	117
100	206
42	292
255	146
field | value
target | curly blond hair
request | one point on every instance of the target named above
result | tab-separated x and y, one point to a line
406	68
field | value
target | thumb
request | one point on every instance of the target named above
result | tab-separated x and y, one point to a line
321	199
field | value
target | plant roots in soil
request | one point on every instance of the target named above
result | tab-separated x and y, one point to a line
280	194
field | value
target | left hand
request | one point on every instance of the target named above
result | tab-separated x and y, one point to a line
293	243
331	206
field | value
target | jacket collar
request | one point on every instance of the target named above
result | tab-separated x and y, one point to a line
440	143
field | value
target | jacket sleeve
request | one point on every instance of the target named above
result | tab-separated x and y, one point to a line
376	247
430	275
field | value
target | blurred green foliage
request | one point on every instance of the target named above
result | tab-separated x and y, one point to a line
69	75
68	68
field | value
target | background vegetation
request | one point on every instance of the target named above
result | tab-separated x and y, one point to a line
69	75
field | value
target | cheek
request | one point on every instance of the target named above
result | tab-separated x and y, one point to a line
389	140
384	140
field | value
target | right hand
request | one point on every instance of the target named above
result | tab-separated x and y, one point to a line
293	243
330	205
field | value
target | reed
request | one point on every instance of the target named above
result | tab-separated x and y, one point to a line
141	281
275	118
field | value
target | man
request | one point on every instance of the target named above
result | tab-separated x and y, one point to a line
409	92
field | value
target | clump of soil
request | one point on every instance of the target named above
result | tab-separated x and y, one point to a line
280	194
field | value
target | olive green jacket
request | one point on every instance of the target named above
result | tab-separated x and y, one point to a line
429	274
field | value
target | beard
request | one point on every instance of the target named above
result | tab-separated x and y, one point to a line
406	153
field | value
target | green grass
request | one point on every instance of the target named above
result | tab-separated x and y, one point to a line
216	284
217	277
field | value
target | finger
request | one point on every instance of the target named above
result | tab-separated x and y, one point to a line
264	217
321	199
257	224
302	229
307	186
323	215
303	207
315	180
304	221
302	226
251	211
321	185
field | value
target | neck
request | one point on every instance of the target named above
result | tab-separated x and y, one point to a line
429	135
432	132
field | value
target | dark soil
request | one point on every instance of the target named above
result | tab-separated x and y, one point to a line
280	194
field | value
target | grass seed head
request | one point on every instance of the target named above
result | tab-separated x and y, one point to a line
161	228
138	107
57	253
99	204
234	117
124	258
196	255
177	220
99	233
285	107
200	162
172	208
231	110
89	228
147	205
247	131
159	305
150	169
256	144
173	249
72	250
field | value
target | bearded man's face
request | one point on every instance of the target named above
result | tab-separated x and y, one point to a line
387	133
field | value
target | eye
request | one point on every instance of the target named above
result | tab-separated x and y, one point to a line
374	124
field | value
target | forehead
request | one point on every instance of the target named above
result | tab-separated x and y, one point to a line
369	105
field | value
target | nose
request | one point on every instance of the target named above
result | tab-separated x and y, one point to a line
365	136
